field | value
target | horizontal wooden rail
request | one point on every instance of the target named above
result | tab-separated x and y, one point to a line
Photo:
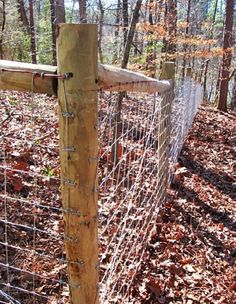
31	77
20	77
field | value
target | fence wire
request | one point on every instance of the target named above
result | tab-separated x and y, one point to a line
188	97
32	261
140	139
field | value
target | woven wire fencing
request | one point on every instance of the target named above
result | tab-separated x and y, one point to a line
139	139
32	260
188	98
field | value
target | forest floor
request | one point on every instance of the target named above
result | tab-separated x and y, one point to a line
191	255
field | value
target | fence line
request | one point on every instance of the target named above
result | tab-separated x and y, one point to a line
132	189
139	138
128	199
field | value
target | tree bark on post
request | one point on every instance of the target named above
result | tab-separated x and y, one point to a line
77	54
227	55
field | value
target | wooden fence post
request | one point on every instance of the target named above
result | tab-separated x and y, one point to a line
189	72
77	54
164	129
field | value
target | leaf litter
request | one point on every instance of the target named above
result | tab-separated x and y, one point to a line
191	253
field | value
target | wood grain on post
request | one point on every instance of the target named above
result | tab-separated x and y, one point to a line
77	54
168	72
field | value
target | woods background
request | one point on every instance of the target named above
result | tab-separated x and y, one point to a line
138	34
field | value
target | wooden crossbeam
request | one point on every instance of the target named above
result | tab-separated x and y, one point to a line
29	77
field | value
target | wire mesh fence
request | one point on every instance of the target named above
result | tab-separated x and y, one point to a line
128	188
140	138
32	261
138	148
188	97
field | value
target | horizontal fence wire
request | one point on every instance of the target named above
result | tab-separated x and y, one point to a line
140	138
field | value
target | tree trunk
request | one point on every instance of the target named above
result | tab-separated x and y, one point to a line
117	30
185	37
129	40
83	11
32	32
53	24
209	48
150	64
125	16
169	41
101	20
2	27
130	35
227	55
57	16
234	94
172	29
23	16
60	11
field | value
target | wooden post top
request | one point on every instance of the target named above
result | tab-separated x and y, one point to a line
168	70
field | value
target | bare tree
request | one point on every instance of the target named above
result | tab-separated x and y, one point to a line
117	30
130	34
57	16
60	11
125	16
2	27
23	15
53	25
170	23
125	60
100	33
83	11
234	93
227	55
185	37
150	65
32	32
209	47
